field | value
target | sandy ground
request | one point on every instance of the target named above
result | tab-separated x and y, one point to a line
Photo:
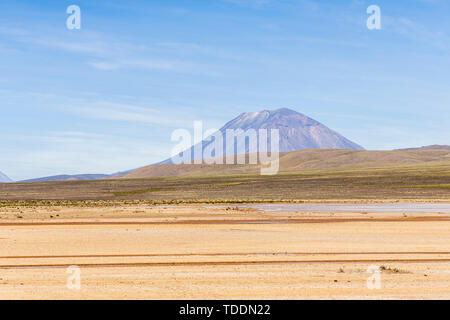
144	252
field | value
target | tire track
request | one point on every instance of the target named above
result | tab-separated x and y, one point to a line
215	263
224	254
225	222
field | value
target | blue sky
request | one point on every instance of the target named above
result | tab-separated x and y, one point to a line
107	97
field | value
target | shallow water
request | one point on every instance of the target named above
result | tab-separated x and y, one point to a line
374	207
443	208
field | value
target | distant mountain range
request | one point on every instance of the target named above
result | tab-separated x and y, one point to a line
432	147
4	178
297	132
65	177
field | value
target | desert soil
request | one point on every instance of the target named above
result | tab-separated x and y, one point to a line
201	252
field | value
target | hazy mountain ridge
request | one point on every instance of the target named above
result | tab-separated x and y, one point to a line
66	177
4	178
76	177
432	147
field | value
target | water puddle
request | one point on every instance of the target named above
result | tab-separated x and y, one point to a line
443	208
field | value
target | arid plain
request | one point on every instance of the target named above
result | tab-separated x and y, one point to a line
201	252
200	238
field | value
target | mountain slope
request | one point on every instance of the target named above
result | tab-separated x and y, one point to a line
305	160
296	131
4	178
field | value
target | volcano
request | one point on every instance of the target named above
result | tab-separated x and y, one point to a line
296	132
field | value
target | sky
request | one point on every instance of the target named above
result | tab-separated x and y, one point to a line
106	97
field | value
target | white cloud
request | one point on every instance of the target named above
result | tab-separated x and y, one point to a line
112	111
418	32
103	65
